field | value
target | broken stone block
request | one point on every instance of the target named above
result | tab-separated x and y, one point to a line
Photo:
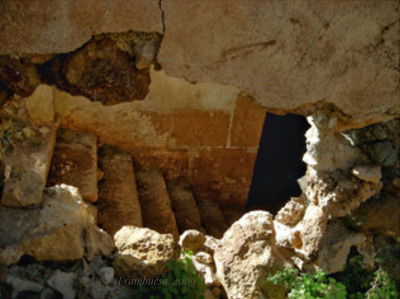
63	282
118	202
247	253
155	202
75	162
184	205
192	240
52	231
143	253
335	247
368	174
212	218
292	212
27	164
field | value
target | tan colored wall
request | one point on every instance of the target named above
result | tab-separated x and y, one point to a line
208	133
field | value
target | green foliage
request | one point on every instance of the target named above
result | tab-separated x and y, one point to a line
180	281
354	283
382	287
308	286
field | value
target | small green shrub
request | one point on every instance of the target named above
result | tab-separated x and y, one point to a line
354	283
308	286
181	281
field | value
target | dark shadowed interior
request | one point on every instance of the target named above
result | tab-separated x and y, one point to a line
279	162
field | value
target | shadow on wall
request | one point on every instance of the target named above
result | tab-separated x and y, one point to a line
279	162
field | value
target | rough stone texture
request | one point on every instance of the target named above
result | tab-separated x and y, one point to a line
192	240
184	205
118	202
368	174
27	152
381	216
292	212
291	54
143	252
22	78
62	26
100	71
246	253
336	245
155	203
75	162
212	218
92	279
53	231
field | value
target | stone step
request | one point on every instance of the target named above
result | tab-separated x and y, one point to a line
155	202
184	205
75	162
212	218
27	151
118	201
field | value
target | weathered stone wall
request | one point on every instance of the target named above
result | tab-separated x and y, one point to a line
206	133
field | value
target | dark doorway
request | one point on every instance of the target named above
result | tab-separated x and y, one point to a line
279	162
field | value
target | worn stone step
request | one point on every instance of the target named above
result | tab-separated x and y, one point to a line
184	205
212	218
155	202
75	162
118	201
26	152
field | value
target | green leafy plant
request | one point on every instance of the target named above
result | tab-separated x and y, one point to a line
180	281
355	282
309	286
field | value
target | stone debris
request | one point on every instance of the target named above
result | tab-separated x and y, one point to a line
192	240
247	252
75	162
27	162
118	202
143	252
63	282
368	174
292	212
52	231
155	202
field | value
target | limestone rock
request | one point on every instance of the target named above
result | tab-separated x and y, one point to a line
64	283
155	203
379	215
246	253
52	231
118	202
27	162
292	212
143	252
300	58
368	174
75	162
335	247
192	240
62	26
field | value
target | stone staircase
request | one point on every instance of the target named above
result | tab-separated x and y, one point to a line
124	192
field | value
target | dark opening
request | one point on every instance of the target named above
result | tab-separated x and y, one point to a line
279	162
